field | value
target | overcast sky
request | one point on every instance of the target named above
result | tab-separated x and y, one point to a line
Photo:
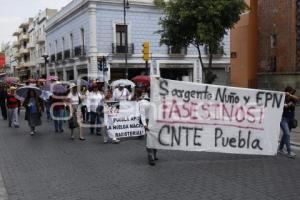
13	12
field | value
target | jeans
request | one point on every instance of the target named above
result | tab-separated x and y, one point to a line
48	106
95	121
58	119
13	117
285	139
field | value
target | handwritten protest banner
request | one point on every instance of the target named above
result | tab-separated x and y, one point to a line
199	117
123	119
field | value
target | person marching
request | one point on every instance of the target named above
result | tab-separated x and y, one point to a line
145	106
57	106
73	99
95	100
12	104
3	94
83	98
34	108
286	121
121	93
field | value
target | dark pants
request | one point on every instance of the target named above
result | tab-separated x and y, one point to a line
84	113
3	110
95	121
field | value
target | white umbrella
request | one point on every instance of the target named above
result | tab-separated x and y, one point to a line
123	82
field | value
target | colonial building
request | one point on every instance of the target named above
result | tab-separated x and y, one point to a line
265	45
10	60
37	41
30	46
278	43
22	55
86	30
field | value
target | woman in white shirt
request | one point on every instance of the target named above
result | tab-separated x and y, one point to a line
83	97
75	120
95	102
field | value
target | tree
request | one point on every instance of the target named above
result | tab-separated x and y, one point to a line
199	23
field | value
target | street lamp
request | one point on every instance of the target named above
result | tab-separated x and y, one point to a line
126	6
45	56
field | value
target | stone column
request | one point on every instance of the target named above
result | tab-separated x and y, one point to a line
92	68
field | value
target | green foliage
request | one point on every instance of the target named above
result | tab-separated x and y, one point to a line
198	22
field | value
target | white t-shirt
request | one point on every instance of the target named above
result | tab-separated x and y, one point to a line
83	98
144	107
94	99
74	98
122	95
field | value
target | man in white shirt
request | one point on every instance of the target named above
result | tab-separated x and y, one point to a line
121	93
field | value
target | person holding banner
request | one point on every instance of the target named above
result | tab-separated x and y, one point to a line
121	93
286	121
145	106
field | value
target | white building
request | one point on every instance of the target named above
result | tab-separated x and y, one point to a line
85	30
22	56
37	39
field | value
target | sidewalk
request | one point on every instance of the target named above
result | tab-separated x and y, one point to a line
295	136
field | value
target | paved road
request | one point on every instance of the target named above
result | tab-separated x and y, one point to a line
49	166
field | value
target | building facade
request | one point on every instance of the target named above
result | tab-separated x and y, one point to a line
243	47
86	30
22	55
278	44
10	60
37	41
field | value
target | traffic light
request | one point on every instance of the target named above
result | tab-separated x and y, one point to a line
146	51
101	64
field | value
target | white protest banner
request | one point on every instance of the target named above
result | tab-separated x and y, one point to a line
199	117
123	119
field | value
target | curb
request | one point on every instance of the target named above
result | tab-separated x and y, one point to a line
295	144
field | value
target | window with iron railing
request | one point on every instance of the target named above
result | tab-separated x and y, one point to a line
120	48
52	58
177	50
79	51
67	54
59	56
219	52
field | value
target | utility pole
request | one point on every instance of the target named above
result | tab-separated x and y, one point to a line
126	6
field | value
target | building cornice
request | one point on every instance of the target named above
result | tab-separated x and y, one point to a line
76	5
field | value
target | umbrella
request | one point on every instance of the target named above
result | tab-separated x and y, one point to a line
142	79
123	82
80	82
41	80
12	79
59	88
31	80
52	78
22	92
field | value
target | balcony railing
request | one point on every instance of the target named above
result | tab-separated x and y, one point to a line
67	54
59	56
219	52
52	58
121	49
79	51
41	39
177	50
